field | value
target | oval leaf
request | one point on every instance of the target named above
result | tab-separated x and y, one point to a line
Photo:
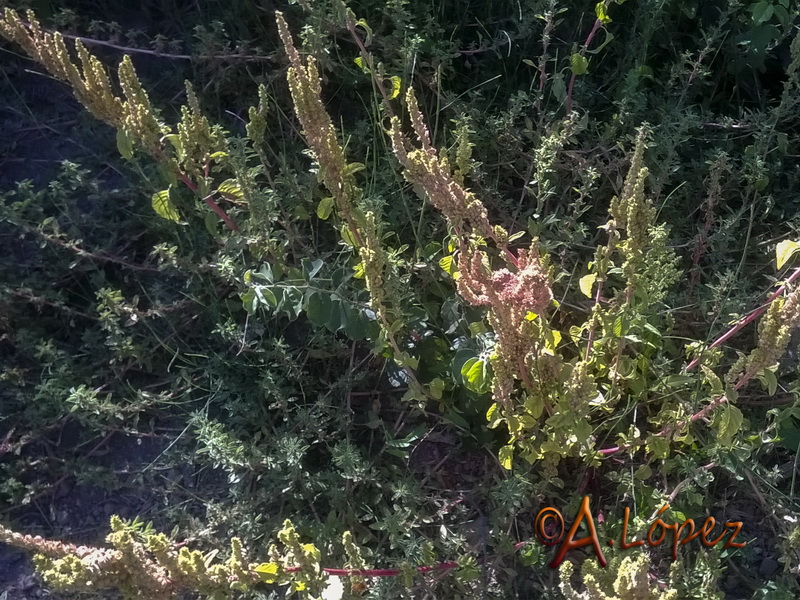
319	308
578	64
163	206
784	251
396	83
506	456
230	189
325	208
586	283
475	373
124	144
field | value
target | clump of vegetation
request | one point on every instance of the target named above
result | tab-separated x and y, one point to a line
426	284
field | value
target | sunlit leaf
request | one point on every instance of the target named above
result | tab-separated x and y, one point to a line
363	24
728	423
475	373
164	207
578	63
325	208
602	14
396	85
506	456
586	282
784	251
230	189
268	572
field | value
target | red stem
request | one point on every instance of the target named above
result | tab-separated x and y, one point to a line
589	38
211	204
748	319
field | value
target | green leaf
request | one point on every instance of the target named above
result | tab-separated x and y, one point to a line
586	282
249	301
617	326
268	572
446	264
657	446
712	379
436	387
353	168
211	220
478	328
325	208
493	416
361	65
506	456
311	268
396	85
163	206
318	308
230	189
356	324
475	373
363	24
459	360
175	140
789	428
783	15
608	37
348	236
769	380
266	296
578	63
784	251
455	418
602	14
729	423
762	12
124	144
559	88
678	380
334	322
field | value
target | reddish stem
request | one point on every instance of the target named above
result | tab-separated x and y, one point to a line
748	319
589	38
211	204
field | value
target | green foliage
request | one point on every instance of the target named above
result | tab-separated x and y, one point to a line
343	328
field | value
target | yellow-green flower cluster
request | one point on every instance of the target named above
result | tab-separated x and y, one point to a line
424	167
132	113
90	84
634	213
138	117
92	87
337	176
257	125
196	137
305	87
463	151
374	260
580	389
624	579
774	332
139	569
511	297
